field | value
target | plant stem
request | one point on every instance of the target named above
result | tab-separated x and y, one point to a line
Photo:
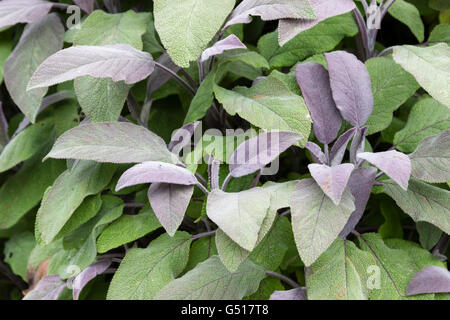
189	78
226	181
283	278
255	182
203	188
17	281
204	234
176	77
363	31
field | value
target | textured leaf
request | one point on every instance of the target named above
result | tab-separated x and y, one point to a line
427	118
316	153
39	41
17	251
323	10
391	87
117	142
203	99
240	215
430	279
430	66
85	5
183	29
120	62
87	275
270	10
255	153
48	288
170	202
153	171
314	81
25	145
67	193
22	11
229	43
340	273
269	105
293	294
316	220
351	87
408	14
422	202
144	272
429	235
126	229
393	163
340	146
332	180
210	280
430	162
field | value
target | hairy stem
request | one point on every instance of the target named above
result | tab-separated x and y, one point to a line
204	234
283	278
176	77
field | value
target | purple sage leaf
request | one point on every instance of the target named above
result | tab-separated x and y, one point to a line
393	163
85	5
431	279
324	9
156	172
48	288
4	136
214	174
332	180
351	87
314	81
22	11
338	151
316	153
360	185
293	294
120	62
87	275
255	153
170	201
358	144
229	43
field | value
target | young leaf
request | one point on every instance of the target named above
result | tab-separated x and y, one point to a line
422	202
67	193
255	153
431	279
48	288
269	105
38	41
144	272
316	220
393	163
87	275
85	5
170	201
117	142
210	280
323	9
316	153
351	87
154	172
430	162
314	81
270	10
358	144
240	215
338	151
430	66
427	118
332	180
293	294
22	11
229	43
183	28
120	62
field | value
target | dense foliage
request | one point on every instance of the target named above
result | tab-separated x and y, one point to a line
224	149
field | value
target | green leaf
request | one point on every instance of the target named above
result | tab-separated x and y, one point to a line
39	41
67	193
430	162
266	287
430	66
429	235
210	280
440	33
340	273
23	191
427	118
422	202
102	99
321	38
391	87
187	26
201	250
392	226
202	100
26	144
17	251
269	105
408	14
144	272
6	47
316	220
127	228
